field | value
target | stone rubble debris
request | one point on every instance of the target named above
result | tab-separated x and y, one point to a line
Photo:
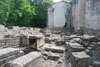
48	47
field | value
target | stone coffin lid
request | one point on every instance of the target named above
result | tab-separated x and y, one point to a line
90	38
74	47
7	52
80	55
55	49
37	36
25	60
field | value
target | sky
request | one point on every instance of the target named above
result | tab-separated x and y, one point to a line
56	0
61	0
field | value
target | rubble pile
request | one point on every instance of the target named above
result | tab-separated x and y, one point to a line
33	47
53	51
16	43
19	36
49	47
82	51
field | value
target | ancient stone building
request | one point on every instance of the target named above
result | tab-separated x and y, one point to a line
86	14
93	14
78	13
56	14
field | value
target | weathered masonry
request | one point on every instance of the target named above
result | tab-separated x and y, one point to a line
81	15
32	59
57	14
86	14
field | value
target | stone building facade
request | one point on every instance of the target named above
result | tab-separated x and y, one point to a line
56	14
82	15
86	14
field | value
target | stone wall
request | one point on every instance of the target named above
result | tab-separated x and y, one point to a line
56	14
93	14
86	13
8	42
78	13
82	51
90	31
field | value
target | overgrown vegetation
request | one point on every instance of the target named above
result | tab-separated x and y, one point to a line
24	12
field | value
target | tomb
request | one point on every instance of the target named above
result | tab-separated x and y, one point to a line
8	54
36	41
32	59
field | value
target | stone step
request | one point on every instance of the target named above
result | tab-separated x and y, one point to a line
32	59
74	47
55	49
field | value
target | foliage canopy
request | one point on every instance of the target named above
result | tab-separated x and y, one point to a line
24	12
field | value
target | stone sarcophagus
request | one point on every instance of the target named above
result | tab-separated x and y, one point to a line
36	41
32	40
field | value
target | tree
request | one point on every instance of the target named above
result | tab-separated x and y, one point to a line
21	13
41	6
24	12
4	11
68	0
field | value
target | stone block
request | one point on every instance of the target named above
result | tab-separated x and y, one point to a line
36	41
23	40
55	49
48	40
74	47
6	52
80	59
96	63
5	60
2	45
60	43
32	59
54	56
90	38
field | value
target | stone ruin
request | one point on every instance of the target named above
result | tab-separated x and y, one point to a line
55	47
34	47
82	46
86	16
25	46
14	40
24	36
80	51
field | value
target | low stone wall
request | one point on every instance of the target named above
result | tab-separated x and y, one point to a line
82	47
8	42
55	30
95	32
